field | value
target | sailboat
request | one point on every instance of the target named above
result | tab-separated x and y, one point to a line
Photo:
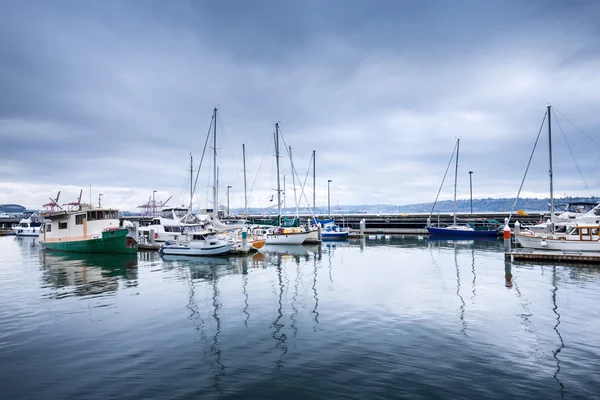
455	230
281	234
582	236
199	242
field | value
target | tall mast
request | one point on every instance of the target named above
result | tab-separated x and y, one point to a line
191	182
277	162
245	195
456	179
550	171
293	180
314	181
215	210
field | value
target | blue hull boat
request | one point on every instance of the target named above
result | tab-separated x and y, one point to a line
334	235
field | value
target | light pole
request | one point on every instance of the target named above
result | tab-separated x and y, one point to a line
328	198
228	187
471	189
100	200
154	203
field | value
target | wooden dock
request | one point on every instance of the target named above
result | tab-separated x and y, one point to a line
548	255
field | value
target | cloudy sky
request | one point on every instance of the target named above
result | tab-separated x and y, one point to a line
118	94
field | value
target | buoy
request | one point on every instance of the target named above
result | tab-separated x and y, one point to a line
156	236
544	243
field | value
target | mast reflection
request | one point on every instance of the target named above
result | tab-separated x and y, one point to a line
280	337
462	301
562	343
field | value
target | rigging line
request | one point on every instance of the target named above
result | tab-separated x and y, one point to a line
443	179
224	134
528	164
256	176
302	194
576	127
572	155
203	152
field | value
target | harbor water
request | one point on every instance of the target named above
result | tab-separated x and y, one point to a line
400	317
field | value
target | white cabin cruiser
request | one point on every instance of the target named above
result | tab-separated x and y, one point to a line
29	226
196	244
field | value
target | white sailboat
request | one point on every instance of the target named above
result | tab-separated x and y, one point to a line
580	237
195	240
280	234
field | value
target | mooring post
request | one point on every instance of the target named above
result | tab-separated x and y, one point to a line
244	240
151	236
517	228
506	237
429	222
362	226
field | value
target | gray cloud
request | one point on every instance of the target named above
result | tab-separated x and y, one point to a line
117	95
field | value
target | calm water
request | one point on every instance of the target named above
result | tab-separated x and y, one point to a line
400	318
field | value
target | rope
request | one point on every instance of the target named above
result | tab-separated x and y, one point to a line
572	155
528	164
203	152
443	179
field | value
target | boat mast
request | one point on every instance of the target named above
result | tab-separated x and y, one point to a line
314	181
455	179
277	163
191	182
245	195
215	211
293	180
550	170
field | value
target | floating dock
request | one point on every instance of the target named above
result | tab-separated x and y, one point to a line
548	255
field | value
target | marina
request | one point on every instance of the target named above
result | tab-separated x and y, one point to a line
291	314
288	200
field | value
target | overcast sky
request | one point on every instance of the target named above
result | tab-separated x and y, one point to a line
118	94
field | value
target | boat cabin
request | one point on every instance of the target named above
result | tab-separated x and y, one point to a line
79	224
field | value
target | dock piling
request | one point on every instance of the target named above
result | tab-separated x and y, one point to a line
507	244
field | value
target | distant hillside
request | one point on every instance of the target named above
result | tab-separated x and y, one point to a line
479	205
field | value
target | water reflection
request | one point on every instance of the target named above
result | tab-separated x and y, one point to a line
88	274
562	343
462	301
280	337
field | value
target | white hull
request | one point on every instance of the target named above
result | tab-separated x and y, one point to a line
185	250
286	238
27	231
559	244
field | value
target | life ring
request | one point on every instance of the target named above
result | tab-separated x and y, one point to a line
156	236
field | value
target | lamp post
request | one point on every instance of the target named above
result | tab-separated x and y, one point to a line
100	200
154	203
471	189
228	187
328	198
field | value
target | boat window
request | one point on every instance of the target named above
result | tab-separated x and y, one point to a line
172	228
156	222
24	225
213	243
48	227
91	215
79	219
62	225
197	237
